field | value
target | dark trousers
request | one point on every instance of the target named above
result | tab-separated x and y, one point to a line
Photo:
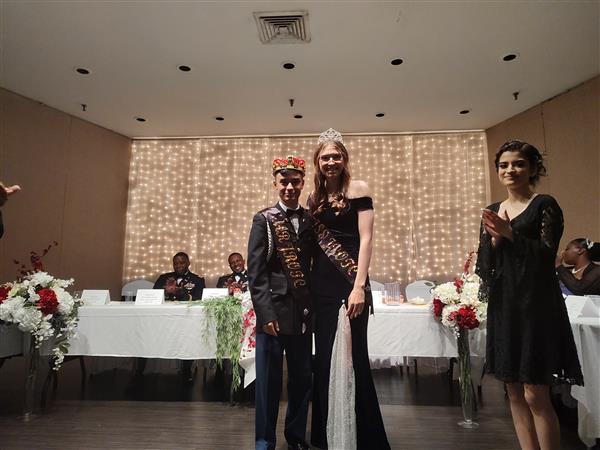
269	374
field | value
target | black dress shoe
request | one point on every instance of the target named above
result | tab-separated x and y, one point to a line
298	446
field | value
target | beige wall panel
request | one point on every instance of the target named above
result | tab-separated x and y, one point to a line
74	177
95	207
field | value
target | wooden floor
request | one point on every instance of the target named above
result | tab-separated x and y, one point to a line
112	410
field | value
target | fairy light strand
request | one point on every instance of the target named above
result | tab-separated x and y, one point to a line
199	196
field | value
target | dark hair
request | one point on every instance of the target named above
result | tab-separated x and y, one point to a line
319	196
593	251
529	152
286	171
234	253
182	254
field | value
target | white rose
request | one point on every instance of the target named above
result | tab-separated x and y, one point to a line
446	292
41	279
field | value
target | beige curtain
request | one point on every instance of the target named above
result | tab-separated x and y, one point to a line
199	196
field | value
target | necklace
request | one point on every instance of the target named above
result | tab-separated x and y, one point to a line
573	271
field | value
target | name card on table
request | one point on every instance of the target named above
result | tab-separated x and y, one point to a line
150	297
95	297
214	293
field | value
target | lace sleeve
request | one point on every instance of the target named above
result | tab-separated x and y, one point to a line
552	226
484	267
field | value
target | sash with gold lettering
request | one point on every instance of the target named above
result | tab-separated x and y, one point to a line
288	253
340	258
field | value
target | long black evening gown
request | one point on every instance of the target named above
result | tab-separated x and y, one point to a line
529	338
330	289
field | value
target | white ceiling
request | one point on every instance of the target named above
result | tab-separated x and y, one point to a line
451	51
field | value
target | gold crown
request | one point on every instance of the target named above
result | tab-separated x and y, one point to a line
291	163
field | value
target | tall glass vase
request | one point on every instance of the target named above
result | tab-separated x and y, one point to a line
466	385
30	380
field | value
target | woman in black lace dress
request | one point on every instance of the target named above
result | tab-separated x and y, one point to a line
346	209
529	338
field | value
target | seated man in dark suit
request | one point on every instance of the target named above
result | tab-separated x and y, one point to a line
238	278
181	284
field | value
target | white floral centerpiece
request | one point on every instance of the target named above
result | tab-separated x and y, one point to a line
459	306
40	305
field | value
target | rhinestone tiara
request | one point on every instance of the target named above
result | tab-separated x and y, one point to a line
330	135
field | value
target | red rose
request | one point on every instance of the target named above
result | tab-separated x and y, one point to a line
48	303
465	318
438	306
4	290
458	283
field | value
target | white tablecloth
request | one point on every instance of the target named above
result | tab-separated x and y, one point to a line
171	331
177	331
11	341
586	331
411	330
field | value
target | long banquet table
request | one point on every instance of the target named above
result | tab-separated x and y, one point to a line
179	331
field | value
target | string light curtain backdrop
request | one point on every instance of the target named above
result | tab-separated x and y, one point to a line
199	196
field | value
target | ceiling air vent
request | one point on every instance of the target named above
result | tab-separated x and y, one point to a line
283	27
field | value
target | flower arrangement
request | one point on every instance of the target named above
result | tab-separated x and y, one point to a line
458	304
40	305
235	323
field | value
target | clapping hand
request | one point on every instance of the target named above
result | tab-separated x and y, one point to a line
171	286
6	191
497	227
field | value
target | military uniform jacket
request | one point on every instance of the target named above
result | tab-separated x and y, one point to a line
271	293
191	286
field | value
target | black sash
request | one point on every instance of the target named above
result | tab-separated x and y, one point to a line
288	253
340	258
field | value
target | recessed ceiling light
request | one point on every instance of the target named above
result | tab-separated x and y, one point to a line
82	71
298	116
396	62
465	111
379	115
219	118
184	68
510	57
288	65
140	119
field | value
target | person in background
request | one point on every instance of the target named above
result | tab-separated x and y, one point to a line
181	284
238	278
5	192
577	271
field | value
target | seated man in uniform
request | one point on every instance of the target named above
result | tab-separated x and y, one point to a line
181	284
238	278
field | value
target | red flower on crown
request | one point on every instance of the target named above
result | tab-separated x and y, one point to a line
48	303
289	163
